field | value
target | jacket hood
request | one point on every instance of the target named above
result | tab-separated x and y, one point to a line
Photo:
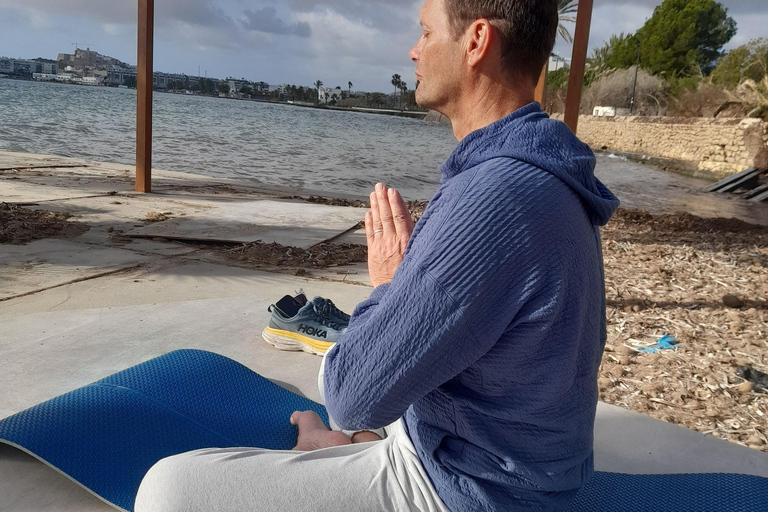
530	136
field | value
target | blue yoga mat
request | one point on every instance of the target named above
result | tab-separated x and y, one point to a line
108	434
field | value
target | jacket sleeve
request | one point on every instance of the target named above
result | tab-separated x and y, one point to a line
462	282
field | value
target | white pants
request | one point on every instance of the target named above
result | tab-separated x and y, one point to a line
375	476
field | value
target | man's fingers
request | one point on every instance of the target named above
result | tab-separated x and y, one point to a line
400	214
385	212
375	218
369	227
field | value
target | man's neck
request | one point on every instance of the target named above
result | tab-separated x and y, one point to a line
485	104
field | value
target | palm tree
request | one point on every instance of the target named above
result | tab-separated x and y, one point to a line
565	8
349	85
396	81
403	89
318	85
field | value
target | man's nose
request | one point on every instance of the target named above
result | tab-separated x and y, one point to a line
414	53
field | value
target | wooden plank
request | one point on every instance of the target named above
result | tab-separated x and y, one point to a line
541	86
760	197
578	62
144	84
730	179
755	191
748	181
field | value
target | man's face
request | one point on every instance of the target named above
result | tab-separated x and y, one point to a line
438	57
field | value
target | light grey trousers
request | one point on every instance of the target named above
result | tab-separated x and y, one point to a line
384	475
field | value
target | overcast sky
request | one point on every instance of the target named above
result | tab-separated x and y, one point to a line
280	41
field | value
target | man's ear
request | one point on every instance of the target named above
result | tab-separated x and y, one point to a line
480	36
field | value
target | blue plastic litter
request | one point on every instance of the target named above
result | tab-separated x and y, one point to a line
108	434
666	342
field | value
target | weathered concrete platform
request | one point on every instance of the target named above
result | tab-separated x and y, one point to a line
91	306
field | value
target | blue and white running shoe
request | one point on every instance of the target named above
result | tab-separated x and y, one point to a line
297	324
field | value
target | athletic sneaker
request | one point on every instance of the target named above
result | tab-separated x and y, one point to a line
294	326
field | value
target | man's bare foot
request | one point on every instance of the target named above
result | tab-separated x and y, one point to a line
313	434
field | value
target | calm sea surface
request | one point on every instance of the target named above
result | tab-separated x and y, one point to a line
274	144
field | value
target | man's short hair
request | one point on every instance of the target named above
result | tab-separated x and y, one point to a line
527	29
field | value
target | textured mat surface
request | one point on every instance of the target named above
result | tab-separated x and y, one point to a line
108	434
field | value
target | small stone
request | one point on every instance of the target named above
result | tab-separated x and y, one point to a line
624	360
754	440
732	301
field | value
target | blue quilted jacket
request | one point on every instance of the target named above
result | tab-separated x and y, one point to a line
488	339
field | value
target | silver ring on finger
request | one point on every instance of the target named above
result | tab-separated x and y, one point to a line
377	231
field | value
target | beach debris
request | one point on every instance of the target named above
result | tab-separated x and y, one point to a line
20	225
757	379
157	216
666	342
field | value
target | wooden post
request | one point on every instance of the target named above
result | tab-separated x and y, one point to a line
541	85
578	62
144	84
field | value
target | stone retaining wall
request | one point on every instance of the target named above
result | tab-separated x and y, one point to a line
711	148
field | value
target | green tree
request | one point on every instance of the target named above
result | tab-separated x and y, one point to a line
349	88
558	79
222	88
685	37
403	90
246	90
130	81
748	61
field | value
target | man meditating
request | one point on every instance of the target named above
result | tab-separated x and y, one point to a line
476	356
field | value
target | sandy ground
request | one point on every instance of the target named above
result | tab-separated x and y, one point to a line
703	281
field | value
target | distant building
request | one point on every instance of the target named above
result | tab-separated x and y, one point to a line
325	94
27	67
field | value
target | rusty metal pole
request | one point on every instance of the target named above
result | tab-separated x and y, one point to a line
578	62
541	86
144	84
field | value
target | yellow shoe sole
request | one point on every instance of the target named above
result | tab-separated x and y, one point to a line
287	340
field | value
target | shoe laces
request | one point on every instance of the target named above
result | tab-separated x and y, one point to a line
329	309
323	319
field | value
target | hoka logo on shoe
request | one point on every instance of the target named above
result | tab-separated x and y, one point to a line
308	329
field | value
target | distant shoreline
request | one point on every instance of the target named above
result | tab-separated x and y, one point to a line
413	114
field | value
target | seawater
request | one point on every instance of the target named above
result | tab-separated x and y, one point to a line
271	143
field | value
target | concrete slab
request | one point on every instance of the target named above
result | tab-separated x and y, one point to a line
51	262
628	442
172	280
284	222
18	191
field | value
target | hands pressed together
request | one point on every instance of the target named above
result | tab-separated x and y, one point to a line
388	227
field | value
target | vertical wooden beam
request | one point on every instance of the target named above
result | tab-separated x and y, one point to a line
578	62
144	83
541	86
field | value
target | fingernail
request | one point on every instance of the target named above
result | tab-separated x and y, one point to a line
391	191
